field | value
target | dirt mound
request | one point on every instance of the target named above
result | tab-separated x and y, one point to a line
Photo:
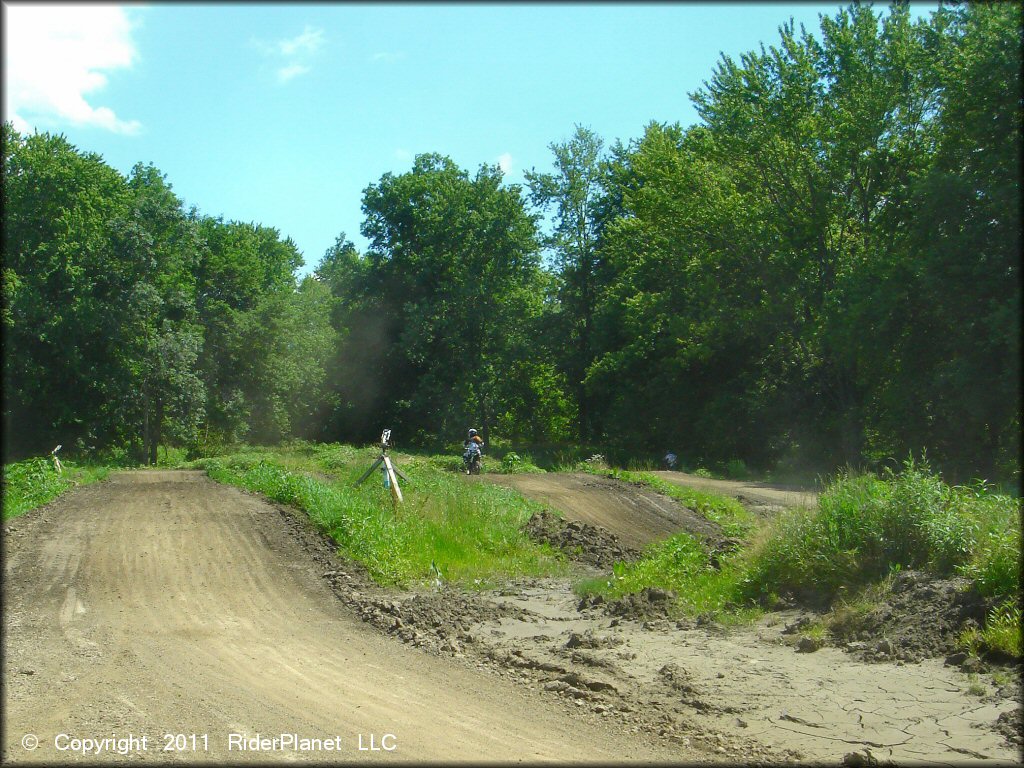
580	541
438	622
921	617
631	511
1010	725
649	603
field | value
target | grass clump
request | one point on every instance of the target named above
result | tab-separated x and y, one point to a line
680	564
471	531
1001	633
514	464
31	483
863	530
865	527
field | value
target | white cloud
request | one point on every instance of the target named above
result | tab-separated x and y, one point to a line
54	55
403	155
388	56
505	162
292	70
308	42
293	53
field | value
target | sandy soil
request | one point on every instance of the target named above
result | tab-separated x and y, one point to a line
161	603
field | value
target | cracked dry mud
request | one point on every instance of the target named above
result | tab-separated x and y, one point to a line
183	604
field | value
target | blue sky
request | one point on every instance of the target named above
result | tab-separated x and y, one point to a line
283	114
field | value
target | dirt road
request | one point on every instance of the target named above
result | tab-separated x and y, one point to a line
635	514
750	491
161	603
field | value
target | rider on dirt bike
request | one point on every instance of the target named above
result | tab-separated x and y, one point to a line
471	457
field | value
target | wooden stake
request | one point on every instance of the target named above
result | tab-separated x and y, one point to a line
395	490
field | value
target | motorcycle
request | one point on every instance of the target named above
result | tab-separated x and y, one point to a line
472	459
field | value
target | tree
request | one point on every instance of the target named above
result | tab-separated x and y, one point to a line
64	279
245	296
450	274
574	191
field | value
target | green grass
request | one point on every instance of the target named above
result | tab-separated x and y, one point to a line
31	483
863	530
864	527
680	564
472	531
1001	633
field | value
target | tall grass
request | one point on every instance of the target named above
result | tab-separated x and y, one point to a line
680	564
864	529
471	531
31	483
865	526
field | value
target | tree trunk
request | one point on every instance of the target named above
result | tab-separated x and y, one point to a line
145	428
154	432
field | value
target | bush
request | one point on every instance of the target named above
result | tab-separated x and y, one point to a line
736	469
1001	633
31	483
865	526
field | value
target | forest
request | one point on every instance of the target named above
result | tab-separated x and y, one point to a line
823	271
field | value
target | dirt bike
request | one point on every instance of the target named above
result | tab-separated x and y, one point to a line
472	459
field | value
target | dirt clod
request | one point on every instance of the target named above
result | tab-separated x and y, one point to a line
579	541
921	617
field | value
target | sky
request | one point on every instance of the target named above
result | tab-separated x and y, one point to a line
282	114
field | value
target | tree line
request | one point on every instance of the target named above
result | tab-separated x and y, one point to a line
823	270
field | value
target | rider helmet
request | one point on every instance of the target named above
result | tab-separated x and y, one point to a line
472	433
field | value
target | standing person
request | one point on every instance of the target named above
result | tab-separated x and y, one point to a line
473	445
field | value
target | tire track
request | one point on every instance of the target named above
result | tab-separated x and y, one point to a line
162	602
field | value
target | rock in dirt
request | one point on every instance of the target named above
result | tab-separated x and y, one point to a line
808	645
956	659
590	640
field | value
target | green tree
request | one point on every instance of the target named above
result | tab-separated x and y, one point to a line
244	278
574	192
64	279
451	276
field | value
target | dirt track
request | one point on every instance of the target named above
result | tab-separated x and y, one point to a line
748	491
635	514
161	603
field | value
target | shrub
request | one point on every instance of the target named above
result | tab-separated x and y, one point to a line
864	527
31	483
736	469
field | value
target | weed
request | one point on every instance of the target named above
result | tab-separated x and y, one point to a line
514	464
816	631
471	531
975	687
1002	630
866	527
31	483
736	469
1001	677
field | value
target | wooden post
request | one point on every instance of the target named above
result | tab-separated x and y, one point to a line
391	472
393	480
